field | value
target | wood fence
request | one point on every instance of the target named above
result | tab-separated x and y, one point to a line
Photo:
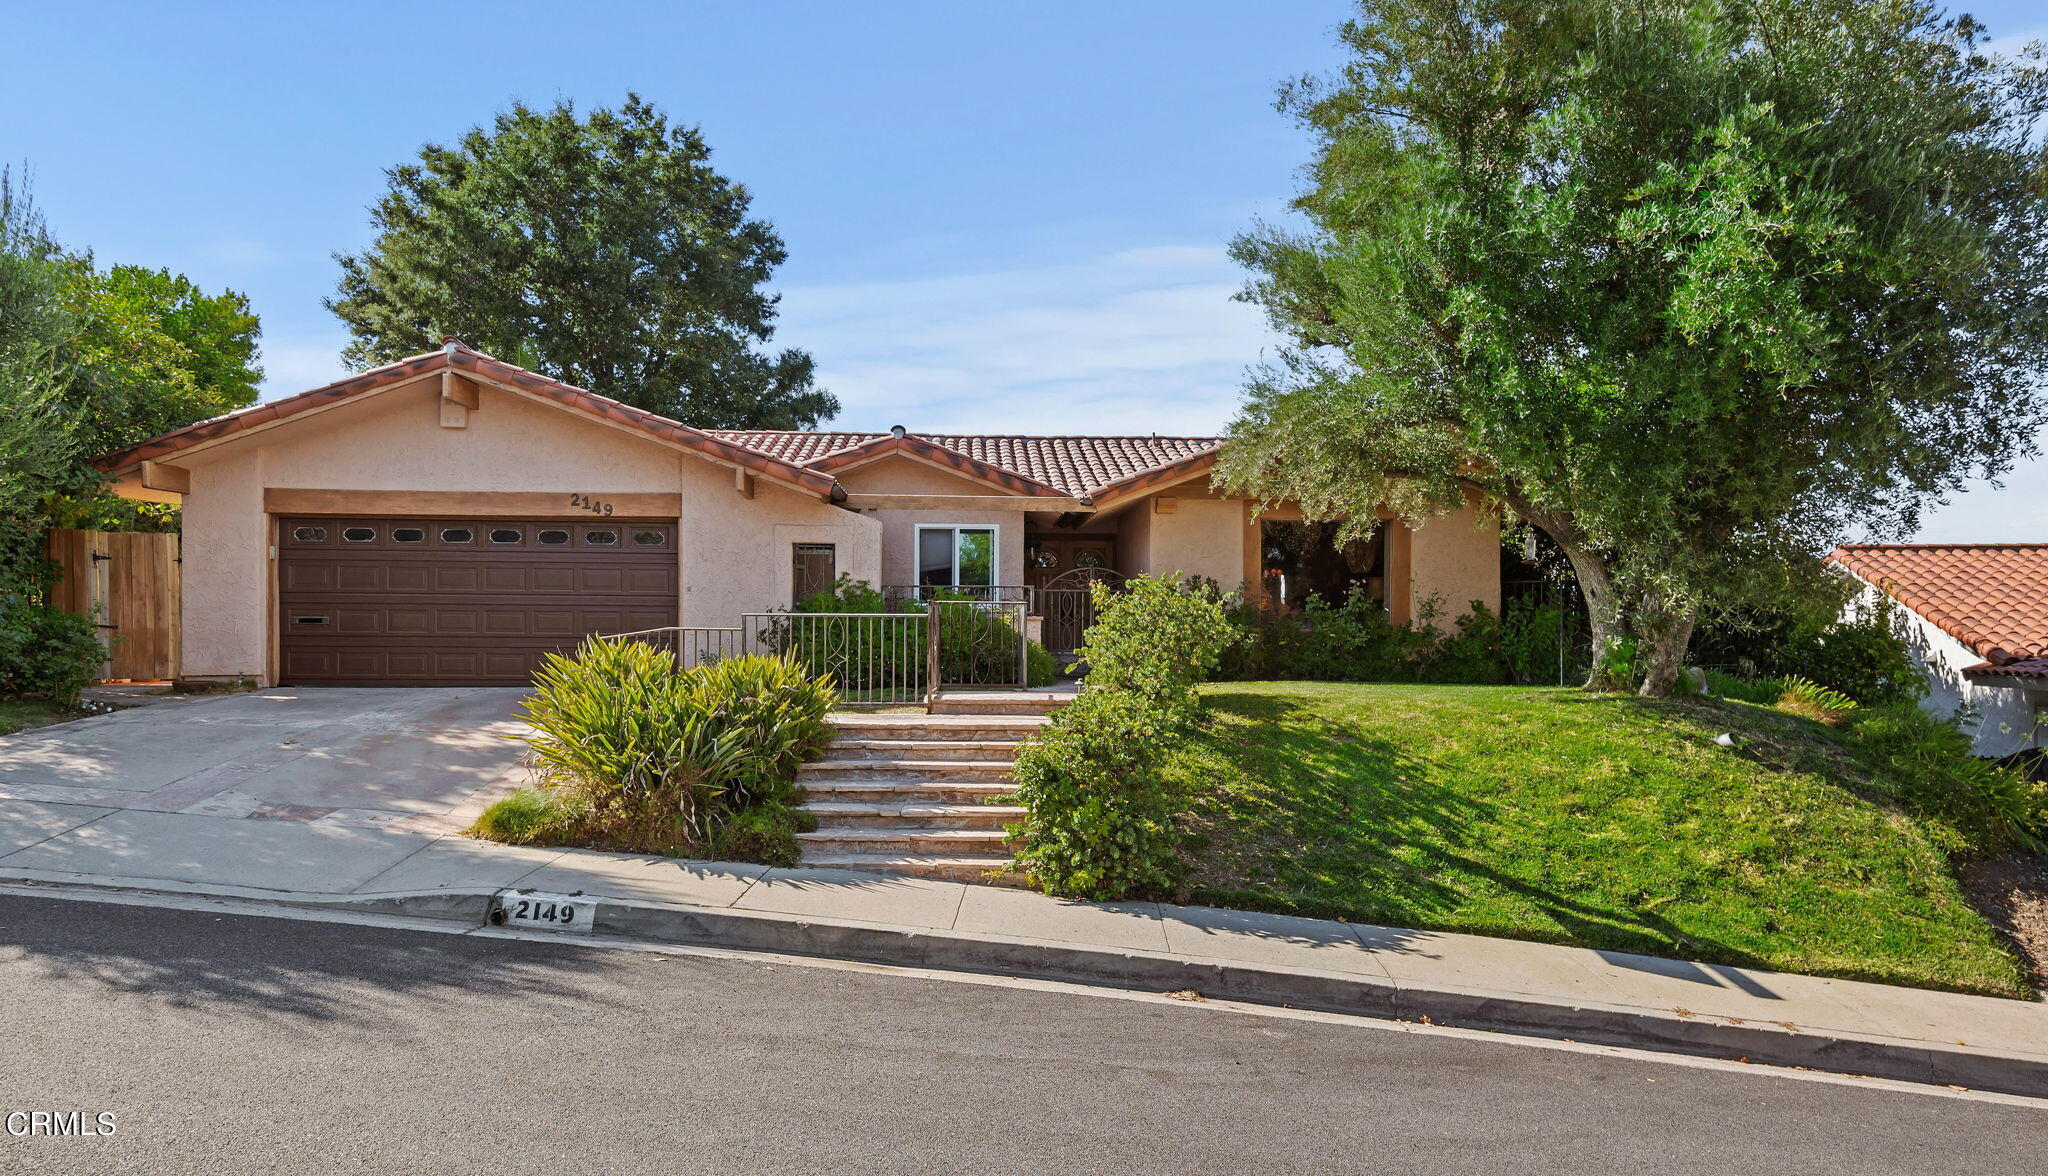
127	582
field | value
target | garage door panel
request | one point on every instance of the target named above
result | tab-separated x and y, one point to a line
502	578
308	577
361	577
459	579
561	580
441	602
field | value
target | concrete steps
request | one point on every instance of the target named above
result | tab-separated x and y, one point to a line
923	795
1001	702
943	867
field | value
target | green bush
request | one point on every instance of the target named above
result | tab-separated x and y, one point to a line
1530	643
1470	655
1927	761
775	710
45	653
1042	668
1805	696
634	754
1357	641
1861	652
1102	818
976	645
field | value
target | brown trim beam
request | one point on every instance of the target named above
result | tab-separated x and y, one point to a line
460	389
155	475
482	503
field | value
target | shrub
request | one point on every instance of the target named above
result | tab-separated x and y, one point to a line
1862	652
1101	821
46	653
1927	761
976	645
1803	696
1530	643
634	754
777	712
1040	666
1356	641
1470	655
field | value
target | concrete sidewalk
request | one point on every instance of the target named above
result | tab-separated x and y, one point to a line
1603	996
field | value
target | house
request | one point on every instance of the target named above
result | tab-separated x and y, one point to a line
450	517
1976	619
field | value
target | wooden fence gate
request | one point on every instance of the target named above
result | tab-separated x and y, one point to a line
127	582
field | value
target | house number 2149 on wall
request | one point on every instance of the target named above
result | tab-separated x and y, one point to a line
586	502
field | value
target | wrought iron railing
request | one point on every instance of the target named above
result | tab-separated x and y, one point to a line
913	594
872	658
977	644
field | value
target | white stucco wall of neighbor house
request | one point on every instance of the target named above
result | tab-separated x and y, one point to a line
2007	719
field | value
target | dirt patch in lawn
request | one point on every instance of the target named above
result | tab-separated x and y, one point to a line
2012	891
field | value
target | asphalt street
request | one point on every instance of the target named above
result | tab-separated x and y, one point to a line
229	1044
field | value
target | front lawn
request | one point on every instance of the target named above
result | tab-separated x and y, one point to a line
1599	820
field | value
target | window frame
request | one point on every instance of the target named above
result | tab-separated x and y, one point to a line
995	553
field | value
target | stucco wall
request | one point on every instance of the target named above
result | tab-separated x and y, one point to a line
1454	559
394	441
2006	718
1198	537
897	474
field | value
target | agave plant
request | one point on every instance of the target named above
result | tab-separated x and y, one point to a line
655	754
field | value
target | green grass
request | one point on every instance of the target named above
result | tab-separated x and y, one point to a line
19	714
1597	820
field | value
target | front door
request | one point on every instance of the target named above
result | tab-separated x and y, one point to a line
1059	569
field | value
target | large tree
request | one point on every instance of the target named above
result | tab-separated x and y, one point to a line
96	359
603	251
1693	286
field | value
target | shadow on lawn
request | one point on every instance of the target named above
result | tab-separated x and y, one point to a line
1310	819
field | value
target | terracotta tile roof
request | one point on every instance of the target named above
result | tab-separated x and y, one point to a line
2033	667
1076	466
1992	597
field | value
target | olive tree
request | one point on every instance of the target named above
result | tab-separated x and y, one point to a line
1695	287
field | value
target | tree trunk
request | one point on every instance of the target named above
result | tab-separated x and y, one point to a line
1605	615
1669	632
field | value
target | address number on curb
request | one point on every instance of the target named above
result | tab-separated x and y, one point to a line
550	912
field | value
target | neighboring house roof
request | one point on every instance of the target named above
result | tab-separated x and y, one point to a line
459	357
1074	466
1992	597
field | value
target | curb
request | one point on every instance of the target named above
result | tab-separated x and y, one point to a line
1340	992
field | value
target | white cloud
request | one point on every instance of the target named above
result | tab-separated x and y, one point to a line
1144	340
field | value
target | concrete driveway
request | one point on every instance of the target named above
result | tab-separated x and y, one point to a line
387	758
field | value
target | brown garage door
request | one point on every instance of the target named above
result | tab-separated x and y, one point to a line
418	602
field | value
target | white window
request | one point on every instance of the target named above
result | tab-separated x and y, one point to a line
956	557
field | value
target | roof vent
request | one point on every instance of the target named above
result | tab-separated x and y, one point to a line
898	431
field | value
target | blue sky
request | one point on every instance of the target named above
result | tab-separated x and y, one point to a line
999	217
